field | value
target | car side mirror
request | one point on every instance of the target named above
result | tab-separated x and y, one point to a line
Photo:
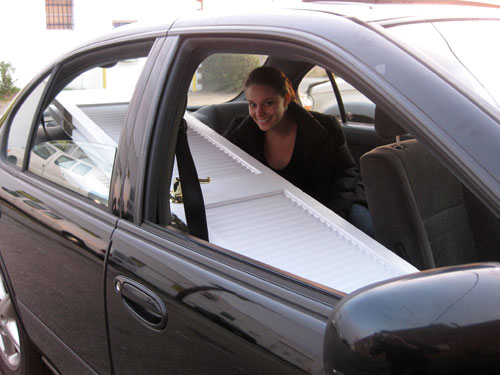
439	321
307	99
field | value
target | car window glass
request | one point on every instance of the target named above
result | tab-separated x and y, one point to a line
52	215
33	204
44	151
64	162
21	125
315	90
82	169
316	93
251	210
76	139
220	77
460	48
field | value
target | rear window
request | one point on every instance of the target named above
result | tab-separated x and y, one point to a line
466	49
82	169
316	93
220	78
65	162
44	151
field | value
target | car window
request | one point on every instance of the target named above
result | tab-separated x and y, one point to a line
316	93
82	169
253	212
64	162
460	48
323	98
44	151
52	215
220	77
33	204
21	125
76	139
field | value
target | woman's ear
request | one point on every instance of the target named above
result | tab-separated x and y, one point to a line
286	99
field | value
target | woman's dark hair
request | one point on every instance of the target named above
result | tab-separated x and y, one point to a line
270	76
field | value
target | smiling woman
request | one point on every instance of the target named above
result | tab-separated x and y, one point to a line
278	133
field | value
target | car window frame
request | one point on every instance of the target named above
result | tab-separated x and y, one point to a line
193	49
6	127
345	117
70	68
189	52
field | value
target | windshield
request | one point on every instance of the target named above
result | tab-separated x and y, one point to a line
466	49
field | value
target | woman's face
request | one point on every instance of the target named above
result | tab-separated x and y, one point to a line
265	106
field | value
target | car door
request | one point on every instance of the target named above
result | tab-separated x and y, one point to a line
56	220
177	303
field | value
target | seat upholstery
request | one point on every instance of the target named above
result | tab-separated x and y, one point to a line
416	204
219	116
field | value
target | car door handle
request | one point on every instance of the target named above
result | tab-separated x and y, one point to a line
142	303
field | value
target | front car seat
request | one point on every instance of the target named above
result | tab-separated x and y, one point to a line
417	205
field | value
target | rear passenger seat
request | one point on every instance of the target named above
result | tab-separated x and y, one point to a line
484	231
420	210
219	116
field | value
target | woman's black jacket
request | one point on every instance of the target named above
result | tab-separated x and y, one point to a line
332	174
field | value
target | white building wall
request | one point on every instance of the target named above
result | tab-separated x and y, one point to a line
29	46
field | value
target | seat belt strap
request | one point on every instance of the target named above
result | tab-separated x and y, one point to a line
194	206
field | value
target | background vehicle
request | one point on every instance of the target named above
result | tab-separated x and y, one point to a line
320	96
248	274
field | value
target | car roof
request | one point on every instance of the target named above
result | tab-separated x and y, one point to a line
384	12
390	13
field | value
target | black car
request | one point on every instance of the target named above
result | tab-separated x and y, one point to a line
115	259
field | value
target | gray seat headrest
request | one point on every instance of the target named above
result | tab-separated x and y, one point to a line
385	126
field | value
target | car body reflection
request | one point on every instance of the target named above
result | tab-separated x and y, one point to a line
37	210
